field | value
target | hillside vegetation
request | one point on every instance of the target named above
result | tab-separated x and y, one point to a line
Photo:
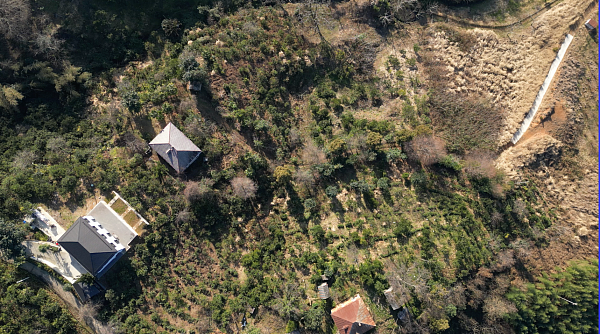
339	141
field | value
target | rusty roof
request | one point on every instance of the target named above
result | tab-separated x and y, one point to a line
592	24
353	316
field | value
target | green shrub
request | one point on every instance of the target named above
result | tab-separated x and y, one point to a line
332	191
402	228
451	163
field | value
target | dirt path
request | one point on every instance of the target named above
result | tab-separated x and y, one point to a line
473	24
83	312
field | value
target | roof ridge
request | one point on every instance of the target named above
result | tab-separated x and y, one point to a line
169	134
100	235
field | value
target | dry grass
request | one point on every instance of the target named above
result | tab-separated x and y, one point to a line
480	164
131	218
119	206
511	70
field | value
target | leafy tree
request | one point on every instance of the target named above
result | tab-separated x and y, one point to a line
372	276
318	233
314	317
283	174
86	278
130	98
68	184
309	206
374	139
11	236
338	147
402	228
171	26
393	154
383	184
9	97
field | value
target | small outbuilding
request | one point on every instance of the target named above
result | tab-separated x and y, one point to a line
194	86
323	291
353	317
591	25
390	296
177	149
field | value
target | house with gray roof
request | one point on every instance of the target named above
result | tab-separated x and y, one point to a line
98	240
175	148
91	245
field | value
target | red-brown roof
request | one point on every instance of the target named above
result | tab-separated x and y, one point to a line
352	317
591	24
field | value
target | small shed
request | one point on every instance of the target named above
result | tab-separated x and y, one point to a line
591	25
323	291
194	86
177	149
390	296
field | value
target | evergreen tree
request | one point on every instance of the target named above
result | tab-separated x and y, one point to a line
565	302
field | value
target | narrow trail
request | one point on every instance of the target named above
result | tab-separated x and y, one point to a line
78	309
472	24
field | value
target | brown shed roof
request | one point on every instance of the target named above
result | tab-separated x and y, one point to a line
353	317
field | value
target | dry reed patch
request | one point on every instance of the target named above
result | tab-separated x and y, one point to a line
511	70
480	163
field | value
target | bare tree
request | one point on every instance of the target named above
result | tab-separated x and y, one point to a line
47	45
14	19
480	163
305	177
184	216
133	142
23	159
313	155
295	137
519	209
57	145
427	149
200	128
243	187
314	15
504	260
407	279
352	254
287	301
197	191
521	248
495	307
496	219
403	10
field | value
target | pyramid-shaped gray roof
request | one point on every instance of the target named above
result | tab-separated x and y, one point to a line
177	149
89	248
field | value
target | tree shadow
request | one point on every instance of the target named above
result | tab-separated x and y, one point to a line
125	283
295	207
338	208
